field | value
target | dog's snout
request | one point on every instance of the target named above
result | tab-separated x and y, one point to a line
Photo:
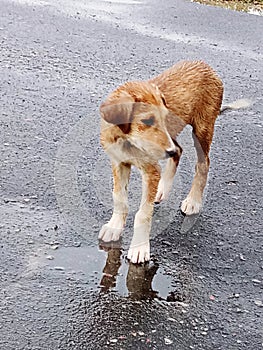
170	152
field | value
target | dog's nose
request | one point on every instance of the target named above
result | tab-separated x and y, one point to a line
170	153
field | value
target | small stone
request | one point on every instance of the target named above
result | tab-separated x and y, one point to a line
258	302
50	257
59	268
141	333
54	247
113	340
256	281
241	257
168	341
34	197
238	310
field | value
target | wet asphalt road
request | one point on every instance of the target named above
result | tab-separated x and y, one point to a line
59	290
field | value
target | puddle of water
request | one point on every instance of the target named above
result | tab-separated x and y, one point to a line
109	271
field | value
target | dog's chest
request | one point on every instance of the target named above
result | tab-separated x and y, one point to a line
123	151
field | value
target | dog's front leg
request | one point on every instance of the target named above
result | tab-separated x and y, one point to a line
139	251
113	229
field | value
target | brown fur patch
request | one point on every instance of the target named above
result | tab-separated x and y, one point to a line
153	177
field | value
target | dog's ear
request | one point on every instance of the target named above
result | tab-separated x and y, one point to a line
118	111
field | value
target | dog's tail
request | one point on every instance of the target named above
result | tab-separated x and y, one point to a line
238	104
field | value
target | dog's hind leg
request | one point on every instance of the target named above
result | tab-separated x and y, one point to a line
113	229
166	182
202	141
139	251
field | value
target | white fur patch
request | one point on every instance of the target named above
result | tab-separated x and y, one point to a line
191	206
139	254
164	188
139	251
166	182
113	229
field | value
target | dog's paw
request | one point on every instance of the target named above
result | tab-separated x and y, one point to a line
108	233
163	191
139	254
113	229
191	206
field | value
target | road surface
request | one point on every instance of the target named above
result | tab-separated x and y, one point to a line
59	289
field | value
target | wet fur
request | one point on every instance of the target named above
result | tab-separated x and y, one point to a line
187	93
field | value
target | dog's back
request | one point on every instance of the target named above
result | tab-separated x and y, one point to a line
192	90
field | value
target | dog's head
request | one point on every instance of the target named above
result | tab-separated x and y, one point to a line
139	110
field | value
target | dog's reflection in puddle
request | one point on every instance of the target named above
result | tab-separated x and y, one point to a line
139	283
111	268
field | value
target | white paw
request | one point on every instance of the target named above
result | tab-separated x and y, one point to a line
113	229
191	206
164	188
139	254
108	233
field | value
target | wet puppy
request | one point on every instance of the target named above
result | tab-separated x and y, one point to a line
140	123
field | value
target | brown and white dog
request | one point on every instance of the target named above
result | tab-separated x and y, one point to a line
140	123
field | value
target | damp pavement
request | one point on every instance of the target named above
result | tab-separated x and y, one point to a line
60	289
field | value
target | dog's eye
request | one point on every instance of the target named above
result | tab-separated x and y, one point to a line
149	121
